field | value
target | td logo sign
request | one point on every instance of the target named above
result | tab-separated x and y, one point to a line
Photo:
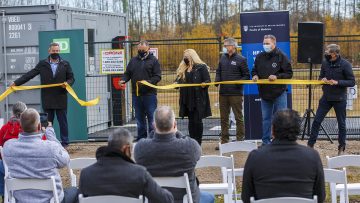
64	45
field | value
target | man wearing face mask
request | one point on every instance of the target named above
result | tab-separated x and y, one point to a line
232	66
337	73
53	70
144	66
271	64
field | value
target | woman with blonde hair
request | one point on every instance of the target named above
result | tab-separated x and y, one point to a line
194	102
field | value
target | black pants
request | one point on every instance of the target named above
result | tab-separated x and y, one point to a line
323	109
195	126
62	119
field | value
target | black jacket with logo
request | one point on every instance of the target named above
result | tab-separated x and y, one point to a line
341	71
138	69
273	63
232	67
56	97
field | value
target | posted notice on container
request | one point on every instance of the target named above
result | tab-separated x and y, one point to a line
112	61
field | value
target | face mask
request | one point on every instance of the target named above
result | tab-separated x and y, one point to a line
267	48
54	56
142	53
224	50
328	57
186	61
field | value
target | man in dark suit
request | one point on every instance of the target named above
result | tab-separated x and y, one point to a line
283	168
53	70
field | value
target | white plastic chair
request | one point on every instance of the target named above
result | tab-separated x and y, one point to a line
177	182
6	169
334	177
228	188
239	146
285	200
345	161
78	163
108	199
13	184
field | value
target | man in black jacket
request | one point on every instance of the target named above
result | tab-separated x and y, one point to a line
115	173
283	168
144	66
338	74
53	70
232	66
271	64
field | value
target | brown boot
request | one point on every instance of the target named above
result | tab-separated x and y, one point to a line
341	150
223	141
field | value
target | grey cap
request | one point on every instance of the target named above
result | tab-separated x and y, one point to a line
333	48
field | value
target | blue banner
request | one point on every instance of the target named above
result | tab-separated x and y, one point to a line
254	26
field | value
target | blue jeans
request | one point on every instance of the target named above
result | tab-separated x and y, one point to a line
71	195
323	109
144	108
206	197
268	108
2	176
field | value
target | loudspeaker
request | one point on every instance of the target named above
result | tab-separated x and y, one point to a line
310	42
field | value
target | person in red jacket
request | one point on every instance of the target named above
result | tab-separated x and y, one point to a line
12	128
9	131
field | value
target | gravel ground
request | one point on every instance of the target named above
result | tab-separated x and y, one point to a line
209	175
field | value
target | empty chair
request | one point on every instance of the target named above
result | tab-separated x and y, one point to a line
177	182
239	146
108	199
78	163
345	161
228	189
285	200
14	184
334	177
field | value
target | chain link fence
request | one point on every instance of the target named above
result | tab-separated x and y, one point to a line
170	53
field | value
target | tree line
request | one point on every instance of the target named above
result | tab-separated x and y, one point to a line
178	18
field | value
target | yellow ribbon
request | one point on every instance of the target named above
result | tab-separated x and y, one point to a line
68	88
234	82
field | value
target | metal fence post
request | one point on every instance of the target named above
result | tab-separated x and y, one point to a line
219	39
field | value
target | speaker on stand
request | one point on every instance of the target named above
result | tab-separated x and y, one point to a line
310	50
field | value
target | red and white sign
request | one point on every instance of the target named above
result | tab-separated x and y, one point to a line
112	61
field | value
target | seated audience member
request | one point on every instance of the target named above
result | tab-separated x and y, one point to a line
31	157
283	168
12	128
115	173
9	131
170	154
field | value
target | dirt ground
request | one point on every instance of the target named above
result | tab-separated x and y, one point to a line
324	147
